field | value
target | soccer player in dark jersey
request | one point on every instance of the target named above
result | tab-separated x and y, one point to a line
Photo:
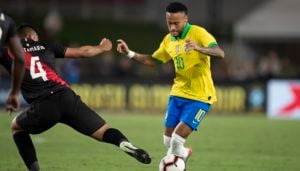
52	101
8	36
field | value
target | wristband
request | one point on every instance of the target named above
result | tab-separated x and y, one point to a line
130	54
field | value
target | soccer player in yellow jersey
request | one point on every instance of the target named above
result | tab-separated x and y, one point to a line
190	47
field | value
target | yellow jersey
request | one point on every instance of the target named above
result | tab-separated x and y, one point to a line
193	78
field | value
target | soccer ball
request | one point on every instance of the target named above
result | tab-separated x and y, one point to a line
171	163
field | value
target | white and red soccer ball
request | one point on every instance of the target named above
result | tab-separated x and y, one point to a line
171	163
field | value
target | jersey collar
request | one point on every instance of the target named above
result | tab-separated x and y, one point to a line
186	29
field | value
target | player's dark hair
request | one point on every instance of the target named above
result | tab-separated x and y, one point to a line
176	7
23	29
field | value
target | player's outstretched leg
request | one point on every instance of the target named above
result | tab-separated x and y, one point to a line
138	153
114	136
26	150
25	146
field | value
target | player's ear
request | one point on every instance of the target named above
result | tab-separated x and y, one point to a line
186	18
34	37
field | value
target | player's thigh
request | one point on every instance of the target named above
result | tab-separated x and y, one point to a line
79	116
194	112
173	113
39	117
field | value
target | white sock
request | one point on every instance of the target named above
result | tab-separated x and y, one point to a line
167	143
177	146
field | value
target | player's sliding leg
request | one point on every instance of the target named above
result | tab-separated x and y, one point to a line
116	137
88	122
26	150
25	147
138	153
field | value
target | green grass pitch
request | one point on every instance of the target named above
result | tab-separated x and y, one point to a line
222	143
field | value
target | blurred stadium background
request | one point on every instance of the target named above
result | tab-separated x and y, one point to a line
260	38
257	80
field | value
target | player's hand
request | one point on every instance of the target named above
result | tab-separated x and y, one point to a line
190	45
12	103
122	47
106	44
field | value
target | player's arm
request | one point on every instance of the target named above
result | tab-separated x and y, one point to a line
141	58
215	51
89	50
18	63
12	103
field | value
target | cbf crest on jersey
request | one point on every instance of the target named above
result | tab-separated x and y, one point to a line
177	49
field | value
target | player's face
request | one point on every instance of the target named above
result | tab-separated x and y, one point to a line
34	36
176	22
29	34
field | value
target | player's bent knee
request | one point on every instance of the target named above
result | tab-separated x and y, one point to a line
15	127
183	130
13	124
98	135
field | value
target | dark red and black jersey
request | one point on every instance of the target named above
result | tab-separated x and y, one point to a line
7	28
40	77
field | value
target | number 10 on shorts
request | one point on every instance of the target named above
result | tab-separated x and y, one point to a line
201	113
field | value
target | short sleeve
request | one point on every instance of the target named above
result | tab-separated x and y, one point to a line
206	39
161	54
58	49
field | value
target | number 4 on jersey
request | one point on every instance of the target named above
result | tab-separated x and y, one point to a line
36	69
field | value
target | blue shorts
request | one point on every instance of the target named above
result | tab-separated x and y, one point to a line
190	112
